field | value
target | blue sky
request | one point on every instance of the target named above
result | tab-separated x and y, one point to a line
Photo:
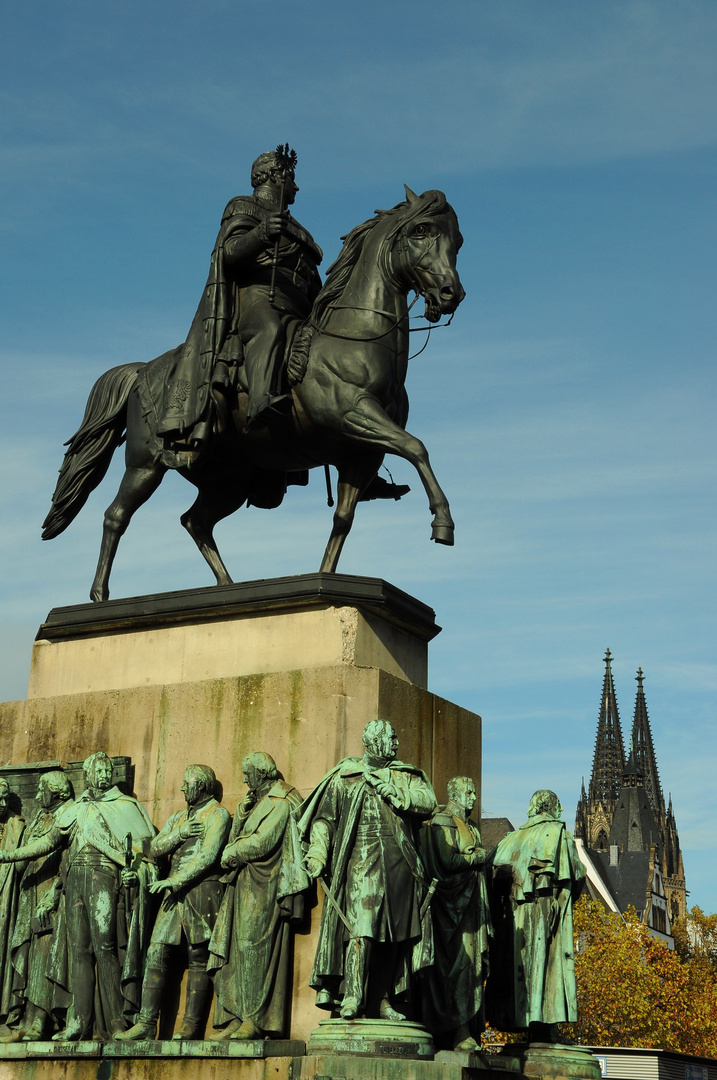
568	410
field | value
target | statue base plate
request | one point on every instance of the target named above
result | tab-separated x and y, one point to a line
379	1038
548	1061
154	1048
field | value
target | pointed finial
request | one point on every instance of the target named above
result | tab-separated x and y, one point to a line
608	657
639	678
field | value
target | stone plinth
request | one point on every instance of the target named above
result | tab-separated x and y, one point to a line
377	1038
547	1061
98	1061
287	624
193	678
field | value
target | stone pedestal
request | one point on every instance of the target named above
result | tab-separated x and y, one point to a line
547	1061
295	667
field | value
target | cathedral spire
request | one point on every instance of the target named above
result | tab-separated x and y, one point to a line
609	756
641	745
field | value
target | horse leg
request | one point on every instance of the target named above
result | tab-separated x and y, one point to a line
368	421
136	487
211	505
352	483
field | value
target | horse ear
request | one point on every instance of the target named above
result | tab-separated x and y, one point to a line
411	196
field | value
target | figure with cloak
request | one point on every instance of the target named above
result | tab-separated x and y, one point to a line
360	828
40	895
103	928
192	894
251	947
538	876
11	830
263	279
452	990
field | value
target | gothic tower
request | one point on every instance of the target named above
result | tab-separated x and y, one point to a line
597	808
641	746
615	785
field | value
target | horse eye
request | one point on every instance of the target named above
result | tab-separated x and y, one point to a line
420	230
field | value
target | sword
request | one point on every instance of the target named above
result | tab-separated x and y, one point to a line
427	899
334	904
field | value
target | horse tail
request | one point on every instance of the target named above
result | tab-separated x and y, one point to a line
90	449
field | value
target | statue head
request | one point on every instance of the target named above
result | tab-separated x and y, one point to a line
545	802
462	793
98	771
380	740
267	172
54	787
4	798
259	768
199	783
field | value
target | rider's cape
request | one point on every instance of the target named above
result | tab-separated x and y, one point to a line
176	387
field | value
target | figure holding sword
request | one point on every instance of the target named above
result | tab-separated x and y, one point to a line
360	825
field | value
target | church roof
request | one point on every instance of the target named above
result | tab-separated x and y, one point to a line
628	880
634	827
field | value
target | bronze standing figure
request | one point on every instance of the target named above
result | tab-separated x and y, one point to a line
251	953
98	942
40	893
538	876
360	826
192	894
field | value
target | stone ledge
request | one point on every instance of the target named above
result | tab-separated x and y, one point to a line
214	602
153	1048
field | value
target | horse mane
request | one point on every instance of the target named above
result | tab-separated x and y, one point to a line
403	213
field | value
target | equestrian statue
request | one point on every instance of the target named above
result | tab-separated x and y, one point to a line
278	375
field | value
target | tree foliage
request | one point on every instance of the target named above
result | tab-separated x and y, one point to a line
634	991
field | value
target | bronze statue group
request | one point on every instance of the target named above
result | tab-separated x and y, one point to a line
417	919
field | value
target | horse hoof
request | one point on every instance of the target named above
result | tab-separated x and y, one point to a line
443	534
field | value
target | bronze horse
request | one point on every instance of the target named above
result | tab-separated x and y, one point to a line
349	407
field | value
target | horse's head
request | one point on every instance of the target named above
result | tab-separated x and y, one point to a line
425	245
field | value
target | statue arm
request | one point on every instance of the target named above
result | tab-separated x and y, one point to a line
207	853
319	847
413	793
167	839
43	846
267	837
447	852
245	244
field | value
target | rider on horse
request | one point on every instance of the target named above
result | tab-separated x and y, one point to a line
263	275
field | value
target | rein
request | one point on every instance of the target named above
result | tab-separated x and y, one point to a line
386	315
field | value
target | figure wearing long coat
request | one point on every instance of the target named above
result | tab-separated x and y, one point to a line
11	830
101	923
40	885
376	874
452	990
533	978
250	949
226	331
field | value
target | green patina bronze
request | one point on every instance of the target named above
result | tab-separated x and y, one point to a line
538	876
360	825
452	990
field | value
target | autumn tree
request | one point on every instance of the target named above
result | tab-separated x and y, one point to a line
634	991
